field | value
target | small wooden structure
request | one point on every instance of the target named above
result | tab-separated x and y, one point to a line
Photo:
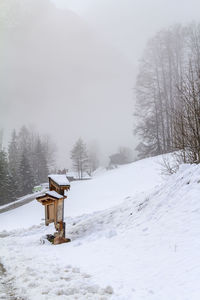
53	201
58	183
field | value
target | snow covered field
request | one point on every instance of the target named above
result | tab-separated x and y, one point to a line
135	235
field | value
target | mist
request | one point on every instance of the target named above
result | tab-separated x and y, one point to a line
99	149
69	69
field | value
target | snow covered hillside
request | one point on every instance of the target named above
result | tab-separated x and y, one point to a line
135	235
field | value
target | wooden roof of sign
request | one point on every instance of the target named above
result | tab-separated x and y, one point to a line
60	180
49	196
58	183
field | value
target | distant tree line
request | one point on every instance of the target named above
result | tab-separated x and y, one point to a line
25	164
85	160
168	94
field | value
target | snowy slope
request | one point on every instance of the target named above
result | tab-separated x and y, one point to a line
146	246
112	187
105	190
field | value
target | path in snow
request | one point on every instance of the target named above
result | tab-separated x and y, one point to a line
42	277
6	289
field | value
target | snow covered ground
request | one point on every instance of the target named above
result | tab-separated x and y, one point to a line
135	235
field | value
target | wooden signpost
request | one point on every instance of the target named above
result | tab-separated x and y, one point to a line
53	201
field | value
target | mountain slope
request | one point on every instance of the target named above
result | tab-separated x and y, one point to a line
145	247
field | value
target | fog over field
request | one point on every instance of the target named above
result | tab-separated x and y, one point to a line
68	68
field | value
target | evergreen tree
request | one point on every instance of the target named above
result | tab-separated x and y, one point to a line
4	178
49	150
93	156
80	158
13	166
26	175
40	163
26	164
24	141
1	139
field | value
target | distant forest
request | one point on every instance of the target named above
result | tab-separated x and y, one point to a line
168	94
25	165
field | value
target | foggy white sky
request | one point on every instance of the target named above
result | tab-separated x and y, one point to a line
128	24
72	74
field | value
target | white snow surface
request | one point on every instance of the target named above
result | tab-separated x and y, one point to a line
59	179
54	194
135	235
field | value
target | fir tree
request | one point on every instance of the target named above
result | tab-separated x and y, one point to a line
13	165
4	178
40	163
1	139
80	158
26	175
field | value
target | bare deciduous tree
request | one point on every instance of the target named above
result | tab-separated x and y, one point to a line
168	94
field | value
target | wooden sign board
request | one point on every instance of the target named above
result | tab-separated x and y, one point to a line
54	208
53	201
